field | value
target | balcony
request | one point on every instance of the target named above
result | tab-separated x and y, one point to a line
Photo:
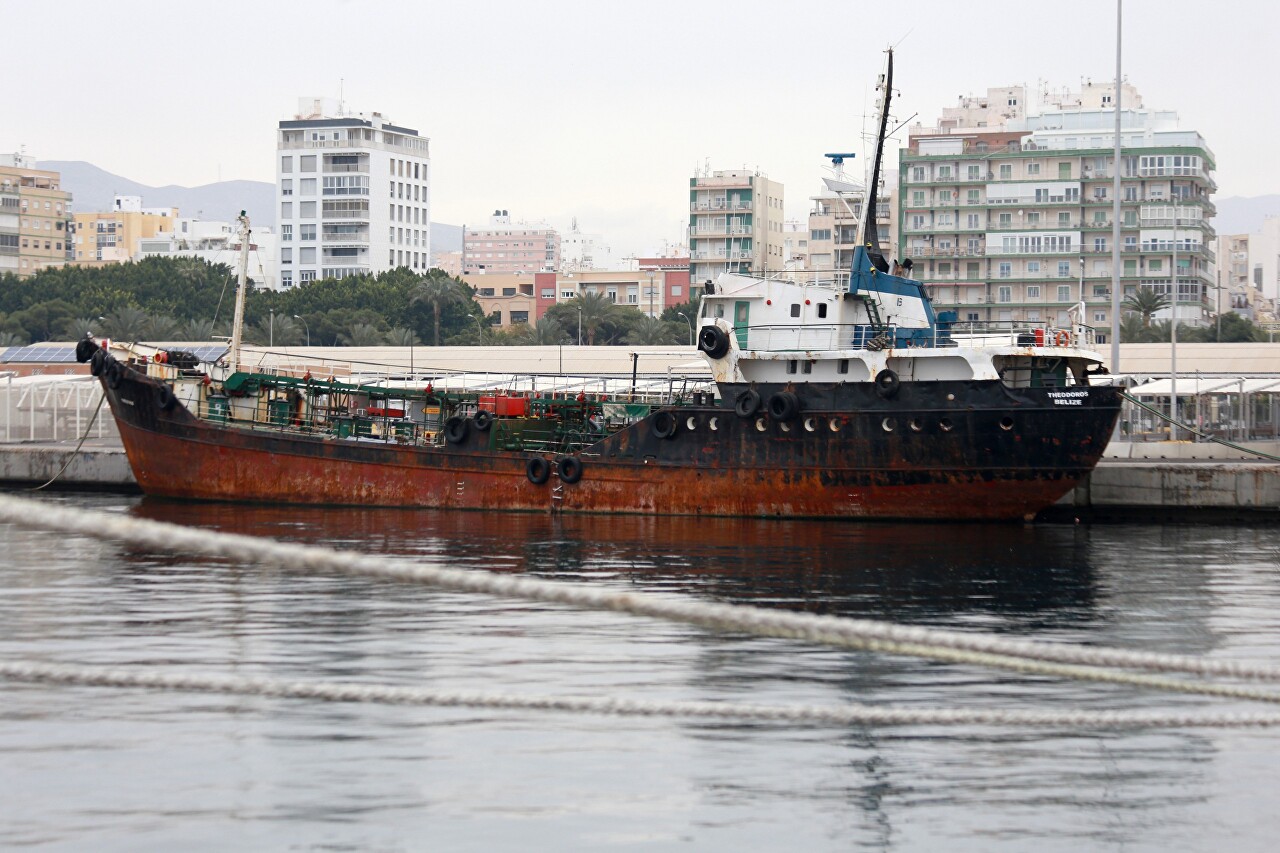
717	206
345	215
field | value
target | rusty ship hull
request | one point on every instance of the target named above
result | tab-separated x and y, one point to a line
939	450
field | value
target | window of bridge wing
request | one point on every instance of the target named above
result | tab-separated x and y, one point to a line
795	309
822	309
1034	372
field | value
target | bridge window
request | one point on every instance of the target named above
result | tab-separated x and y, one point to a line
795	310
822	309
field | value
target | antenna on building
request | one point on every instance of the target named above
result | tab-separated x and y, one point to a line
342	105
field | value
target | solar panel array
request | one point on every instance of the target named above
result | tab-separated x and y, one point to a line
66	353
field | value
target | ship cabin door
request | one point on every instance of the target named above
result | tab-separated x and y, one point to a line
741	321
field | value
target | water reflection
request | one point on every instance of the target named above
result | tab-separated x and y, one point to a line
907	572
305	774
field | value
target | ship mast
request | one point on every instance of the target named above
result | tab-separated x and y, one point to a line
868	234
238	324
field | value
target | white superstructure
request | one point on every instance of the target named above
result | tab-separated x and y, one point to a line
353	194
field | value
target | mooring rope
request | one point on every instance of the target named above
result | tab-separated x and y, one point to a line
1197	432
849	714
80	444
1091	663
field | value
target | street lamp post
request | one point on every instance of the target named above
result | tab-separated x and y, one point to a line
271	328
579	325
651	314
1173	332
690	322
305	326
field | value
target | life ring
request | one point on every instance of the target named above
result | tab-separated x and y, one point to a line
713	341
664	424
570	469
886	383
455	430
1062	339
115	373
747	404
165	398
784	406
538	470
483	419
96	360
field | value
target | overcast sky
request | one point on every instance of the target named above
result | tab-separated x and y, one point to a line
600	110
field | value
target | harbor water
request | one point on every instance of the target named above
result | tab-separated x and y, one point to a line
128	769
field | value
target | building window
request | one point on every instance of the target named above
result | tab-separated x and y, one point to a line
1006	172
1064	269
307	255
286	255
548	293
286	278
975	172
1004	294
973	197
307	186
286	164
307	163
567	294
1006	269
307	231
917	198
306	210
1006	220
286	210
286	186
677	290
1033	168
518	317
1099	316
1033	291
306	276
1064	293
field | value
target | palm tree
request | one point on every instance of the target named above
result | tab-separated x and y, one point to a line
162	328
439	290
1146	302
126	324
13	339
401	336
197	330
651	331
546	333
596	310
77	328
362	335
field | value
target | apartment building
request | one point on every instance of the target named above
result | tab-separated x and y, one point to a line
35	219
217	242
1006	207
505	247
1249	271
735	224
353	193
115	236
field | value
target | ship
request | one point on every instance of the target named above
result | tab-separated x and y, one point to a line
838	397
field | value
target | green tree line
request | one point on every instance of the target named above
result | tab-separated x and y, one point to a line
189	299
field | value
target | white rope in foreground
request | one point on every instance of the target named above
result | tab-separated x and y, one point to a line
852	714
981	649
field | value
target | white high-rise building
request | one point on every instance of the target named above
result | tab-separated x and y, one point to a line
353	193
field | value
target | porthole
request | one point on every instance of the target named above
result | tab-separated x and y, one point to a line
786	427
916	424
945	424
713	424
1006	423
888	424
760	424
951	397
834	425
691	424
810	424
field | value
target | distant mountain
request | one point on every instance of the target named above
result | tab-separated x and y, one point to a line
1244	215
93	189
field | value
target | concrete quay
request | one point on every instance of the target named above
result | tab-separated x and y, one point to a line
1156	480
98	465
